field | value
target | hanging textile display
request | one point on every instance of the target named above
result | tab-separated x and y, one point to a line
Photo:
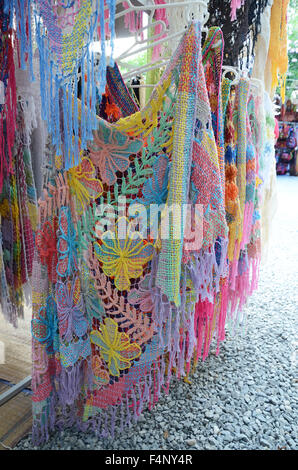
146	238
260	71
117	309
267	174
244	267
8	101
120	303
63	38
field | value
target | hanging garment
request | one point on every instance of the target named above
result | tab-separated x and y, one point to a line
18	210
210	310
261	51
212	54
114	307
63	34
232	202
116	102
267	174
244	262
278	46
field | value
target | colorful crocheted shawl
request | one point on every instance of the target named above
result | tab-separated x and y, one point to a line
113	305
63	31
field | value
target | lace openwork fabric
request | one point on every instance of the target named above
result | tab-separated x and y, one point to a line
147	239
114	308
120	302
240	33
62	32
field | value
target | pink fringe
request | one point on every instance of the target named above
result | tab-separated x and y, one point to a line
234	267
255	275
235	5
204	314
222	315
247	223
245	285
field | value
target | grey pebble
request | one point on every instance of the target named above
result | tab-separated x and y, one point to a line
191	442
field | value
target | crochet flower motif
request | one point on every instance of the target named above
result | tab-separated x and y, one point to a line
44	328
70	310
155	190
123	258
142	296
93	304
46	244
110	151
84	184
115	348
101	376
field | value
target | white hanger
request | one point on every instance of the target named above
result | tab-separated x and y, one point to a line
141	45
229	69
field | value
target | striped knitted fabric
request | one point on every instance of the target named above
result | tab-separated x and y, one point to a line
119	91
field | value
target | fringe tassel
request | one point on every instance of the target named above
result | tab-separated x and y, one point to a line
71	381
8	113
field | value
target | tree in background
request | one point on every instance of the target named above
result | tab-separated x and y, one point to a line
292	77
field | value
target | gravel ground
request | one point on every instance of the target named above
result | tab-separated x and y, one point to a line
246	398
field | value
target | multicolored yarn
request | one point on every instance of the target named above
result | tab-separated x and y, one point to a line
118	354
118	307
8	102
169	268
18	209
207	188
232	203
118	310
119	92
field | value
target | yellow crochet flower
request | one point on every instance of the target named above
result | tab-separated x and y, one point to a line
84	184
115	348
123	257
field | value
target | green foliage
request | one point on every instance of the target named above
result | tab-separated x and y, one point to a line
292	77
